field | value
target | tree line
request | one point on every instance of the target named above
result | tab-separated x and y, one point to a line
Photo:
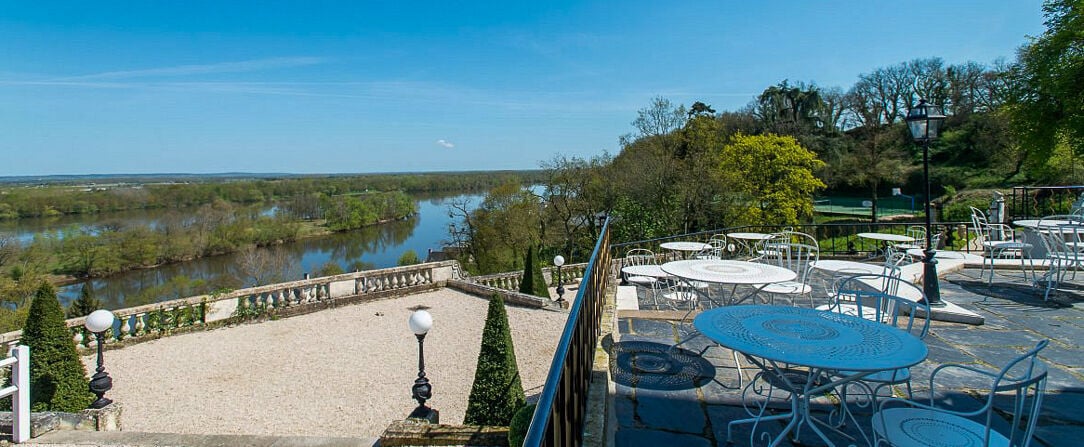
61	199
690	168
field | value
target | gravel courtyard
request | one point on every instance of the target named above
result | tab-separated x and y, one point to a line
338	372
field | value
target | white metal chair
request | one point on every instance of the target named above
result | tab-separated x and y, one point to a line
889	300
916	232
998	241
794	251
1064	246
904	423
640	256
717	247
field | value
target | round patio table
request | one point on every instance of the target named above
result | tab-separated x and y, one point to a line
775	338
685	248
748	240
886	237
723	271
651	270
840	266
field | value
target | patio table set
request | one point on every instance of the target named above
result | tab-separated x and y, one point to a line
1056	242
807	352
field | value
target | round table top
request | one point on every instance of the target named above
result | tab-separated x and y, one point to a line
813	338
728	272
684	246
654	271
748	236
887	237
937	254
835	265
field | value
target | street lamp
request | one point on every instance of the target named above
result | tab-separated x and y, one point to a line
420	322
97	323
925	121
559	261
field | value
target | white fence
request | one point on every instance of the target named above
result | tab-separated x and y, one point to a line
19	391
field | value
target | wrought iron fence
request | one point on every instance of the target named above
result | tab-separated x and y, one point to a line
558	419
1029	202
836	239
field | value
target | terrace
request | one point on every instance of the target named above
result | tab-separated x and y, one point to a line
605	383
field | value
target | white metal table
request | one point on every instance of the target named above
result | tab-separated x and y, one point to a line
841	266
748	240
651	270
685	248
777	337
724	271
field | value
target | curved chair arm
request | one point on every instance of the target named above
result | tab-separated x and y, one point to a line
965	367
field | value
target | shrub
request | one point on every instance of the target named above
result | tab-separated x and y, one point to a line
58	381
533	283
409	257
517	429
85	304
330	268
497	391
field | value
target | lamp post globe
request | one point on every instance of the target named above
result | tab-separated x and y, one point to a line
420	323
924	122
559	261
97	323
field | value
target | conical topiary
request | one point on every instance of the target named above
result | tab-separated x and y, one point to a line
533	283
58	381
85	304
497	392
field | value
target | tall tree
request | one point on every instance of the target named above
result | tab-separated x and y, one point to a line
1047	101
497	391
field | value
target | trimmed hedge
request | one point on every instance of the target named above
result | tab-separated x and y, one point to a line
58	381
521	422
497	391
533	283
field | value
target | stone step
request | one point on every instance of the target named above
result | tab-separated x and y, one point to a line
137	439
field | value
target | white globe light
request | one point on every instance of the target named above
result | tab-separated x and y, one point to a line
99	321
558	260
420	322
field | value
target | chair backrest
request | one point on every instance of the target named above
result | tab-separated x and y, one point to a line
1024	380
790	250
884	298
716	248
918	233
640	256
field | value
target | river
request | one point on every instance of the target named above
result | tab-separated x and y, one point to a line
378	246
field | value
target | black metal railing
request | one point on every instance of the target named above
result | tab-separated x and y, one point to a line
1032	202
836	239
562	407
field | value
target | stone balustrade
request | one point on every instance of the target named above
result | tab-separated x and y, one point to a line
510	280
283	299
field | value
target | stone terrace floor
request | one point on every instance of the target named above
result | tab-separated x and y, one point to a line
691	403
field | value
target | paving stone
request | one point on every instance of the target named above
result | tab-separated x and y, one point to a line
723	390
684	394
623	326
624	390
676	415
976	336
1070	357
653	328
721	416
655	438
1059	435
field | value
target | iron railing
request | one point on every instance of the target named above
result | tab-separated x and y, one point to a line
836	239
1030	202
558	419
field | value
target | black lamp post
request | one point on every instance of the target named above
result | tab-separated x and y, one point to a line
925	120
559	261
420	323
97	323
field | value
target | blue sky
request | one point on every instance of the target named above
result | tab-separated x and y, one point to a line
352	86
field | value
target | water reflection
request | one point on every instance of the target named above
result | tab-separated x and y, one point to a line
378	246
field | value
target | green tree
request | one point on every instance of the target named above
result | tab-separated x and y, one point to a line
497	392
533	283
330	268
58	381
774	177
1047	91
86	303
409	257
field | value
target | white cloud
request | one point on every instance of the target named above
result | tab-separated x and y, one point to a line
445	143
221	67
